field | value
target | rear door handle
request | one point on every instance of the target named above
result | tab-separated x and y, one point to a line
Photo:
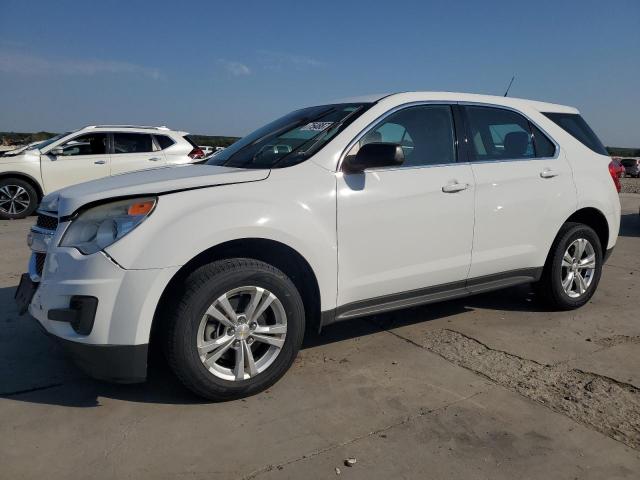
548	173
99	162
154	159
454	187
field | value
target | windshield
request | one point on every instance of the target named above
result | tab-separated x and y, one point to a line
290	139
48	142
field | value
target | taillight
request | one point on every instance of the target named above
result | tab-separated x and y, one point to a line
197	153
613	171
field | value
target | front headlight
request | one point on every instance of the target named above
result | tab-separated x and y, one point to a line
98	227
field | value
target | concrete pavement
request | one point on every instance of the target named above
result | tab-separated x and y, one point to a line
473	388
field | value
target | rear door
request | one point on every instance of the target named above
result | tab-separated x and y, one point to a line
524	191
84	158
134	151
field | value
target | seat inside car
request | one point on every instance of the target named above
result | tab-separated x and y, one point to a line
515	144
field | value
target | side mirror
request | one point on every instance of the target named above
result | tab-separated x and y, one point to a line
374	155
57	151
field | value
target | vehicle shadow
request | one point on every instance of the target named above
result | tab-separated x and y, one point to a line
630	225
34	368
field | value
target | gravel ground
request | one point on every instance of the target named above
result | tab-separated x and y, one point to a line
630	185
607	405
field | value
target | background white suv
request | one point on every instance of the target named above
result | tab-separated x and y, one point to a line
327	214
86	154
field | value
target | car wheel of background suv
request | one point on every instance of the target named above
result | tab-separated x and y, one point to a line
573	268
18	198
235	328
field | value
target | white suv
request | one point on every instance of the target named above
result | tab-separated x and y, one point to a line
89	153
330	213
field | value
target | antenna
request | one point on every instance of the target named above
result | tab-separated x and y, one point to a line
509	87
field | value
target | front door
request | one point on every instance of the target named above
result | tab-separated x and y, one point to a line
406	228
83	158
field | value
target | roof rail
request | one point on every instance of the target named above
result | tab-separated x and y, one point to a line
149	127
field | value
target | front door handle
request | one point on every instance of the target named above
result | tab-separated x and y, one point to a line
99	162
548	173
154	159
455	187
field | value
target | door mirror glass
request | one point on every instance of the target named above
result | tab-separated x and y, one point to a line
374	155
57	151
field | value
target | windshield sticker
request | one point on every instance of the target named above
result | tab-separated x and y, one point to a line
316	126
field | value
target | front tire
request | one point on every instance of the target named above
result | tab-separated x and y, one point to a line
18	199
235	328
573	268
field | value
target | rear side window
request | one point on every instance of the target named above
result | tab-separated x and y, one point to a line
578	128
498	134
545	148
163	141
132	143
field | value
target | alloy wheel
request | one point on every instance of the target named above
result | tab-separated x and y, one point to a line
578	267
14	199
242	333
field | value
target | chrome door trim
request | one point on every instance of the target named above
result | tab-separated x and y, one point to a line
378	119
519	112
403	106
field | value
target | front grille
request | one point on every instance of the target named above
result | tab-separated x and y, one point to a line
47	222
40	258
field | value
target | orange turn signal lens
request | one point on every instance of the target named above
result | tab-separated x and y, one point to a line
142	208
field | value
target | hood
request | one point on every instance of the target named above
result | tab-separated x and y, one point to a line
13	157
147	182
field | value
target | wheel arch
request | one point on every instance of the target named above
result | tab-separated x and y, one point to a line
595	219
278	254
27	178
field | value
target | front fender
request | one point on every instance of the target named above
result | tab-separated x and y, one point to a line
294	206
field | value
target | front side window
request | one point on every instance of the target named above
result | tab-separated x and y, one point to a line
132	143
290	139
89	144
498	134
425	133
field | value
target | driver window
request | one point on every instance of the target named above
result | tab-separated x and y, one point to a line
425	134
89	144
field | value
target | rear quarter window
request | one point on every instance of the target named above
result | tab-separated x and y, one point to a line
575	125
163	141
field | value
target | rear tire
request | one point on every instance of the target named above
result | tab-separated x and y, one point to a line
222	342
573	268
18	198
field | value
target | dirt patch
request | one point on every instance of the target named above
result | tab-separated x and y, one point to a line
602	403
617	340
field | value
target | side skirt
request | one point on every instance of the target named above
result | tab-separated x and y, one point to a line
423	296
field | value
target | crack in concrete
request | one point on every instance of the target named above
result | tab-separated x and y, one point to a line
607	405
621	267
410	418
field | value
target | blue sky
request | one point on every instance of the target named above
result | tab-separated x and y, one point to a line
227	67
